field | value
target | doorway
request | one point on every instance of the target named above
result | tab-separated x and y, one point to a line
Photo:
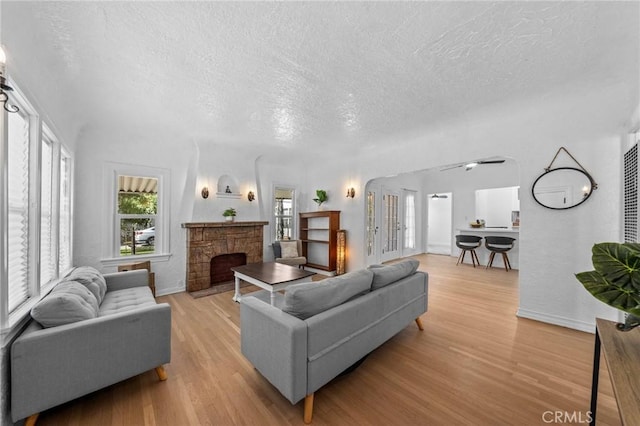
439	223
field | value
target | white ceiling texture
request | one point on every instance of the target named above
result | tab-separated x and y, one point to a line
299	73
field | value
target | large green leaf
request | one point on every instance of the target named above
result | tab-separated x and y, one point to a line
619	264
624	298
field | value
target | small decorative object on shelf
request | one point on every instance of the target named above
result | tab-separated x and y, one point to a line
227	190
229	214
321	196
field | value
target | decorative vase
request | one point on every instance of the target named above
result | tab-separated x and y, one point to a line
229	218
630	322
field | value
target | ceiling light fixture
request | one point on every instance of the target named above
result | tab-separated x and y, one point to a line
4	87
470	166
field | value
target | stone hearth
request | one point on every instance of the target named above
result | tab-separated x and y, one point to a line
206	240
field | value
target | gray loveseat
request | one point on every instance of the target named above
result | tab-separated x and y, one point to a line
318	330
90	332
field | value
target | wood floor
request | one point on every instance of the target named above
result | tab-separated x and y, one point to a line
475	363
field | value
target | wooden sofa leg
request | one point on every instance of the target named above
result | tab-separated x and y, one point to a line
31	420
308	408
419	323
162	373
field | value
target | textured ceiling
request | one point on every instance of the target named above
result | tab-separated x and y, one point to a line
296	73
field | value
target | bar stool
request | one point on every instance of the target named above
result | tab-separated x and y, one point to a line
468	243
499	245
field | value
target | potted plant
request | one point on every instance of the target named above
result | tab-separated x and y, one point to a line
321	196
229	214
616	279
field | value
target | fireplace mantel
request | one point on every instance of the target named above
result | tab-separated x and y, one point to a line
206	240
221	224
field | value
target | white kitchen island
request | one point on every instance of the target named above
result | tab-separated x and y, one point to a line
483	253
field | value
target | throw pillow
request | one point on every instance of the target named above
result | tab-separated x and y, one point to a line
308	299
289	249
386	274
68	302
90	278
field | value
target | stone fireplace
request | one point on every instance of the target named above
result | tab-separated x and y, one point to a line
207	240
221	266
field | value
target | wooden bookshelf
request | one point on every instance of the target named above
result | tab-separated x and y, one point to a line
318	233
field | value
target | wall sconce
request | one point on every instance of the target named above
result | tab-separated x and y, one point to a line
205	192
341	252
251	196
4	87
351	192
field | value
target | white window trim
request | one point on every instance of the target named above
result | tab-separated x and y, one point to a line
111	242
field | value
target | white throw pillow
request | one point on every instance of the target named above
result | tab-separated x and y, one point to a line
289	248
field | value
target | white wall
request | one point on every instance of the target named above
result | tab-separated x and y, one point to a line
554	245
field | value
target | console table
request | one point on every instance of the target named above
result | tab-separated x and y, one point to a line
622	353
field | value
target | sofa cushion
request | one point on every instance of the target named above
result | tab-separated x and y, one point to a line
90	278
307	299
68	302
126	300
289	249
386	274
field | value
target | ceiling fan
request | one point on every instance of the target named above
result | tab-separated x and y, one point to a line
472	164
436	196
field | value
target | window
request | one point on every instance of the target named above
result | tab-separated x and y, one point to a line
409	220
65	219
48	250
35	188
19	152
283	213
139	224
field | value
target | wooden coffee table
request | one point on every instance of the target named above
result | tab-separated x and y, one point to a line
271	276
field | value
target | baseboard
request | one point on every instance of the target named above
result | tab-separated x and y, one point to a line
170	290
439	249
588	327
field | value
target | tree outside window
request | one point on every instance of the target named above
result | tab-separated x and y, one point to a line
137	213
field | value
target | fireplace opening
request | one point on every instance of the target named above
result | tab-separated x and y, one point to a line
221	266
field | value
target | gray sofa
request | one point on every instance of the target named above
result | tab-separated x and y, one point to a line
89	332
318	330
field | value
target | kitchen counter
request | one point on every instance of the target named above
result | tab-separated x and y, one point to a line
490	230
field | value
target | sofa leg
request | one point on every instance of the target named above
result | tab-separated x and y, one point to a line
419	324
162	373
31	420
308	408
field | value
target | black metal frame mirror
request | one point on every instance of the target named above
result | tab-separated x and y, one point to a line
563	188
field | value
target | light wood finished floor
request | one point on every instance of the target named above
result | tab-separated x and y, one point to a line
475	363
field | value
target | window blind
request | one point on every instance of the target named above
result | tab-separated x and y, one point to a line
64	248
47	251
18	203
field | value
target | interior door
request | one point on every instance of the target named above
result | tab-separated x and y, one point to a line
372	227
391	226
439	223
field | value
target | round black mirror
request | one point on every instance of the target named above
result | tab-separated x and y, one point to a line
562	188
